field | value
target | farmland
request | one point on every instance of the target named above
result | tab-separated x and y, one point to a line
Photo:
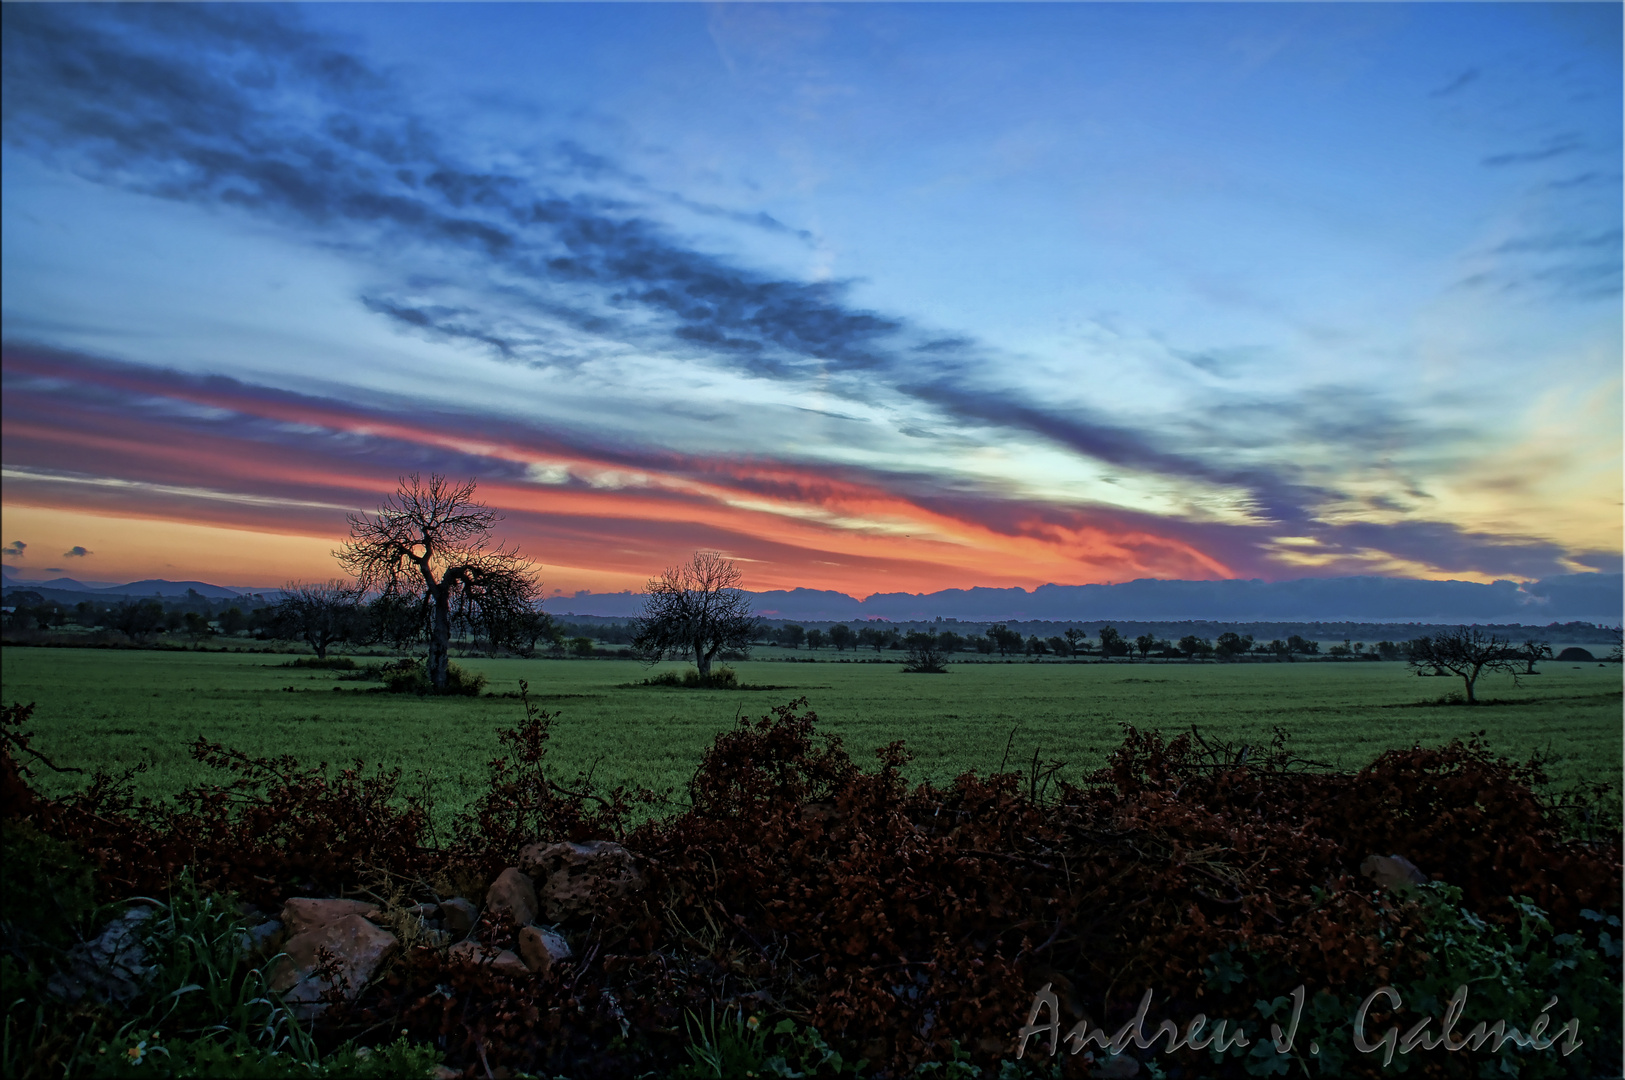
112	709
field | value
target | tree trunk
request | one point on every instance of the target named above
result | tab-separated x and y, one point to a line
702	660
320	645
439	637
1469	680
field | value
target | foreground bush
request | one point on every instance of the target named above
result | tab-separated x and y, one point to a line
911	926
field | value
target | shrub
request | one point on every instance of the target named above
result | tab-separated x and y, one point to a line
412	677
720	678
906	923
48	890
328	663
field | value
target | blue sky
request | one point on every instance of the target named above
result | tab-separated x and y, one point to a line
867	296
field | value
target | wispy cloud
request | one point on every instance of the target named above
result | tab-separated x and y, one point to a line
1557	146
243	109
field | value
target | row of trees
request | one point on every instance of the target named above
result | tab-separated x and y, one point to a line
425	565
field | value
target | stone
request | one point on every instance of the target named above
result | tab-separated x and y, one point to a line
262	940
1390	871
357	945
303	913
1116	1067
512	898
111	967
503	960
459	915
573	875
541	949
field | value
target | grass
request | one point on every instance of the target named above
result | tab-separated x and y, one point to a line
112	709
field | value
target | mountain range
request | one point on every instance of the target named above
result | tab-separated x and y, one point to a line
1598	598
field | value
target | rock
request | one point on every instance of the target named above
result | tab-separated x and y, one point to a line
459	915
446	1072
263	939
1116	1067
512	898
1389	871
572	875
541	949
110	967
303	913
503	960
355	943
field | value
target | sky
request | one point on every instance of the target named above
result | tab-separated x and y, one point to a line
866	297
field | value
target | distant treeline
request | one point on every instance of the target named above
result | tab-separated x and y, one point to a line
619	631
198	617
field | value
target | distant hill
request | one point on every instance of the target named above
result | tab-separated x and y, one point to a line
1595	598
69	590
160	587
1598	598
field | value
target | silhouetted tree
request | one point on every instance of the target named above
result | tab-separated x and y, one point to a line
1531	652
1296	644
1232	644
1003	638
815	639
925	655
432	543
842	638
1074	640
319	613
1145	643
233	621
1112	643
695	609
138	620
1466	652
1193	646
877	638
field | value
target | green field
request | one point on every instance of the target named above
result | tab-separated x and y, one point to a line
113	708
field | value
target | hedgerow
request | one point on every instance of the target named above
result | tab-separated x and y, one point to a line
909	927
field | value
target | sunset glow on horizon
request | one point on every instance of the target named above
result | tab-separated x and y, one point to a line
869	298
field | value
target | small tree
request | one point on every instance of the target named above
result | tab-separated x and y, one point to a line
791	636
1531	652
431	544
1003	638
1074	640
1112	642
815	639
1465	651
1193	646
320	613
1296	644
1232	644
877	638
925	654
842	638
137	620
695	609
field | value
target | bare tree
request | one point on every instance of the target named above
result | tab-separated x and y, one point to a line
1464	651
925	654
319	613
1532	652
695	609
432	543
